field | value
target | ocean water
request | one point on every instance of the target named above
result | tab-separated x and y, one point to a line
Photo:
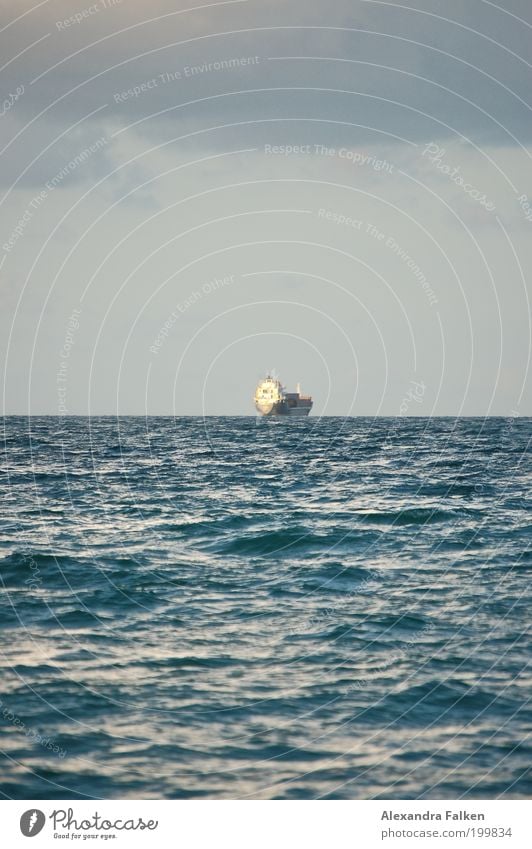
290	609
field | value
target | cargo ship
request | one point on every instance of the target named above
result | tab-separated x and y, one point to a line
272	399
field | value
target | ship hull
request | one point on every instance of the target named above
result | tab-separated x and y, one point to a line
282	409
298	411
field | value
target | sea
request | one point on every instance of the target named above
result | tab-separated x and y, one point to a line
242	608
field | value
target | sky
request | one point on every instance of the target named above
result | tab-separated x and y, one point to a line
193	195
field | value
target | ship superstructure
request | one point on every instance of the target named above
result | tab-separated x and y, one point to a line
272	399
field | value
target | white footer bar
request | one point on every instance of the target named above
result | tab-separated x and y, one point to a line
267	824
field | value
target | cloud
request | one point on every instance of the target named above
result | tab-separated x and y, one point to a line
465	77
191	146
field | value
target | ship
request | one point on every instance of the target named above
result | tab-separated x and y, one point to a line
272	399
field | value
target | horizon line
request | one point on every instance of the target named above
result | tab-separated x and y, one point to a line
26	415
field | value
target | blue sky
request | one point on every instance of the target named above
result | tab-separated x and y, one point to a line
341	193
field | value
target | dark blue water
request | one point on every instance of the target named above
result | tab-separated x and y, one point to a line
285	609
